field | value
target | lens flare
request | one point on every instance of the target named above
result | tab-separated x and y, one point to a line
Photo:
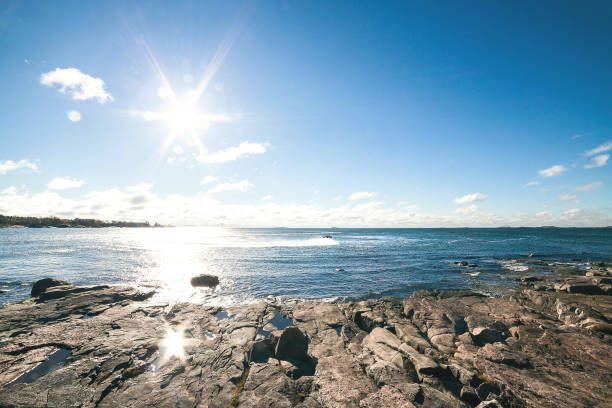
74	116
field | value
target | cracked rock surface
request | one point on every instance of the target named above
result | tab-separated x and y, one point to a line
546	344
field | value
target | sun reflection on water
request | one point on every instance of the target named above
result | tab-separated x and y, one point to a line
173	345
173	257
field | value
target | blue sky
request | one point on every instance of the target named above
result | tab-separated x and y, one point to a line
308	113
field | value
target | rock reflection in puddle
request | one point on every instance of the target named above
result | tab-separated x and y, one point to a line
222	314
279	321
52	363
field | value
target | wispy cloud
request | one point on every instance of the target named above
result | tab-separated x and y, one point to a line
242	185
267	197
9	165
64	183
208	180
232	153
470	209
590	187
597	161
577	136
470	198
602	148
555	170
532	183
362	195
80	86
567	197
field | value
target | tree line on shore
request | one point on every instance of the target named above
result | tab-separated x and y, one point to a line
42	222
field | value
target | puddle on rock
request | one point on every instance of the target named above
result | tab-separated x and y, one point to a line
222	314
85	317
338	331
209	335
52	363
279	321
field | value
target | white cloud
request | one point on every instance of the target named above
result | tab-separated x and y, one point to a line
267	197
470	209
553	171
590	187
80	86
178	150
205	209
532	183
470	198
362	195
577	136
208	180
600	149
12	190
567	197
63	183
573	212
9	165
139	188
242	185
338	197
233	153
597	161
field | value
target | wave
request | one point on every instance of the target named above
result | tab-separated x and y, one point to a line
311	242
514	266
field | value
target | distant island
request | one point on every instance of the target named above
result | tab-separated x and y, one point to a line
54	222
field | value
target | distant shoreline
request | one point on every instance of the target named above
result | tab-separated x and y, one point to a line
54	222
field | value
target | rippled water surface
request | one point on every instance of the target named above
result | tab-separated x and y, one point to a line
294	263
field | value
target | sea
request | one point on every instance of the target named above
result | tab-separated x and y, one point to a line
283	264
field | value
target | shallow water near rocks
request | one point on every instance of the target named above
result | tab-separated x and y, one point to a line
55	360
222	314
288	263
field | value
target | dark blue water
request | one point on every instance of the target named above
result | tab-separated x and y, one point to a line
295	263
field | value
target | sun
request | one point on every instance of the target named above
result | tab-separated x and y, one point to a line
180	114
184	117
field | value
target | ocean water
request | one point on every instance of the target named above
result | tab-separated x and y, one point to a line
288	263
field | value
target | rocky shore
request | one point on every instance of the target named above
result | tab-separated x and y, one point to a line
546	344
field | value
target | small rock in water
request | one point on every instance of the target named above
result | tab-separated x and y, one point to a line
42	285
339	270
205	280
463	263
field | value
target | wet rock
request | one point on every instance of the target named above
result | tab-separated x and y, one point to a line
205	280
531	279
39	287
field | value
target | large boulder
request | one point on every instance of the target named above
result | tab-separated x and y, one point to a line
292	344
205	280
39	287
